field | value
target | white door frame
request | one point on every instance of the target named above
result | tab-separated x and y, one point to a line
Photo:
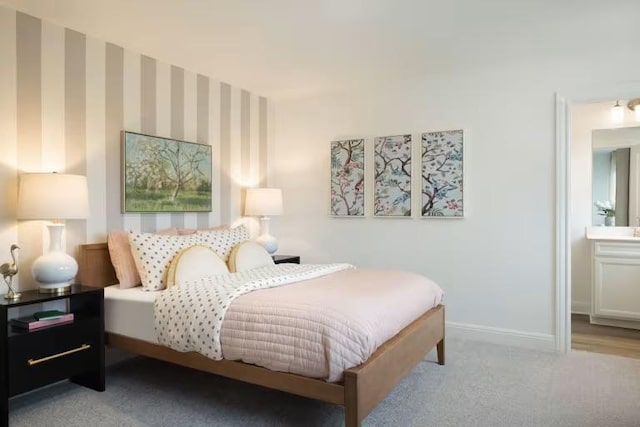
563	102
563	224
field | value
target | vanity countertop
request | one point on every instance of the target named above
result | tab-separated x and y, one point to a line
622	234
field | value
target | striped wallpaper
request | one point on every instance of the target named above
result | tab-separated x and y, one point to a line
64	100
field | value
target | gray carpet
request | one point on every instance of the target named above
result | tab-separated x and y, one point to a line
481	385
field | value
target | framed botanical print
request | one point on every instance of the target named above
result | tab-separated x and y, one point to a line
165	175
347	178
392	161
443	174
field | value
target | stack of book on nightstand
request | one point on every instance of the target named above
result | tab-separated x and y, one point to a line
42	319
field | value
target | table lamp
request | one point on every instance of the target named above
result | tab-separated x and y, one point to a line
264	202
56	197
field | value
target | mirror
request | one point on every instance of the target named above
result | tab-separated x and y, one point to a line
616	176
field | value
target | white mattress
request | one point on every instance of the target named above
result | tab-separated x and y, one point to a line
129	312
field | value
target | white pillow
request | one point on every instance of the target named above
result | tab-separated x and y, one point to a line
194	262
153	253
222	241
248	255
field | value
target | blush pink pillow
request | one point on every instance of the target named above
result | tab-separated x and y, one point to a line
122	258
183	231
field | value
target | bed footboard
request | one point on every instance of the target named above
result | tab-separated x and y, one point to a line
368	384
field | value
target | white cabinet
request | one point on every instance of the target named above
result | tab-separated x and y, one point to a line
615	297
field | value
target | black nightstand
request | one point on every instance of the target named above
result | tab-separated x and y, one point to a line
31	359
284	259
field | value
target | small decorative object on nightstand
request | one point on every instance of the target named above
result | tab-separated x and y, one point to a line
33	358
8	271
286	259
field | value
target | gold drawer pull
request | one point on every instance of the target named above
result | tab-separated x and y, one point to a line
83	347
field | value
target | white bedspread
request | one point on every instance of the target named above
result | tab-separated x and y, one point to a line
189	317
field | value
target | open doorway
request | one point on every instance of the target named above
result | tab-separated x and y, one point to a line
603	231
587	336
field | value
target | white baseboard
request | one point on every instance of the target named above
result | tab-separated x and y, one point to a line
618	323
581	307
531	340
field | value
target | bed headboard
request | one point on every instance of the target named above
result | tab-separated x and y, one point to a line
94	266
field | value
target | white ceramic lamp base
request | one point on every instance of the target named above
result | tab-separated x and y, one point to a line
267	241
55	270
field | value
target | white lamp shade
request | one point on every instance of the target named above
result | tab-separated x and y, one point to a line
263	201
636	113
53	196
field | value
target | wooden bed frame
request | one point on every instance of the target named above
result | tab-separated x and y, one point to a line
362	388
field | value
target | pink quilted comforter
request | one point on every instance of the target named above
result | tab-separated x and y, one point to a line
320	327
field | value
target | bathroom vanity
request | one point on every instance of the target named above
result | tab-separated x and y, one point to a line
615	287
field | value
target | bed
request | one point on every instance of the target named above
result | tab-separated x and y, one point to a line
360	389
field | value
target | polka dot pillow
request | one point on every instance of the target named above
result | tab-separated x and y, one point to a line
222	241
153	254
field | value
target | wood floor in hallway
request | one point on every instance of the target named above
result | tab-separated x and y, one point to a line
603	339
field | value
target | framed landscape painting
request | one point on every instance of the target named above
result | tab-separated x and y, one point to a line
165	175
443	174
347	178
392	175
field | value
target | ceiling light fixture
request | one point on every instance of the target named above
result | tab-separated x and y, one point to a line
617	113
634	105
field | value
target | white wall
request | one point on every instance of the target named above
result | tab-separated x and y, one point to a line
496	265
585	118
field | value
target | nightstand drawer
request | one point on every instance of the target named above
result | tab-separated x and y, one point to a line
41	357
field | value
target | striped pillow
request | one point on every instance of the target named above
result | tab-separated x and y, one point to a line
248	255
193	263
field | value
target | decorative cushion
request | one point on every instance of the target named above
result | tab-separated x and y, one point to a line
222	241
153	255
195	262
248	255
122	258
183	231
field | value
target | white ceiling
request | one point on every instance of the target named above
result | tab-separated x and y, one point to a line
290	48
